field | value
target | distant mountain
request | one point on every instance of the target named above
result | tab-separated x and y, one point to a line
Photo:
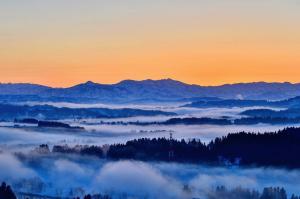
10	112
288	113
150	91
22	89
230	103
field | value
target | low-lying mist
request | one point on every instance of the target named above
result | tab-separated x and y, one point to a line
72	175
18	138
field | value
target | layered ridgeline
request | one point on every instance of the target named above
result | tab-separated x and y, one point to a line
268	113
11	112
292	103
147	91
215	121
288	111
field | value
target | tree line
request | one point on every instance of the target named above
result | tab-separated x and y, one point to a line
220	192
213	121
261	149
240	193
268	149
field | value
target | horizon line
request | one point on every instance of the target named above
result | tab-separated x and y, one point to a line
149	79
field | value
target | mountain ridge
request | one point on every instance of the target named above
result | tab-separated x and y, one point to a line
163	89
145	80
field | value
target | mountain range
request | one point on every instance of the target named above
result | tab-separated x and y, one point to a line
129	91
10	112
230	103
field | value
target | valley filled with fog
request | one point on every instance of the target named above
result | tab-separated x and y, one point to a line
97	133
76	175
158	99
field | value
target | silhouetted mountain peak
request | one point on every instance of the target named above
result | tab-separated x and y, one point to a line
162	82
171	81
88	84
163	89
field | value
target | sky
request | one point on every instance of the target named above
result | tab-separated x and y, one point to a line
206	42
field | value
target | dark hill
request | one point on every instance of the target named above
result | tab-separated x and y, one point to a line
156	90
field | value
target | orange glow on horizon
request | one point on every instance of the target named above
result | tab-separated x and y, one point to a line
197	42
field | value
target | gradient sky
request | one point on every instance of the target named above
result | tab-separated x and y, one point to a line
207	42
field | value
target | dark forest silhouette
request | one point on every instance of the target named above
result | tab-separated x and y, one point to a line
269	149
279	149
6	192
219	192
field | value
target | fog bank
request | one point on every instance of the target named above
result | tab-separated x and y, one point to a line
76	175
